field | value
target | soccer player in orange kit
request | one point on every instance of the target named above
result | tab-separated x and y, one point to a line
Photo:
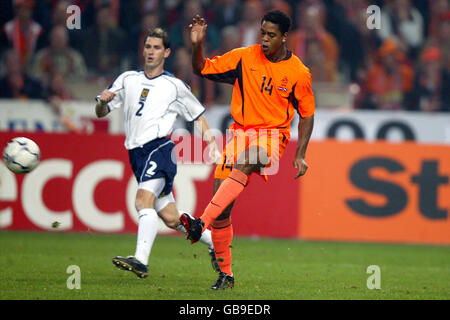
270	83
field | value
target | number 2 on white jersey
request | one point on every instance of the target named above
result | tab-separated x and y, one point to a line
138	113
143	97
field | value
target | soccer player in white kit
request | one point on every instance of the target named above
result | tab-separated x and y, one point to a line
151	100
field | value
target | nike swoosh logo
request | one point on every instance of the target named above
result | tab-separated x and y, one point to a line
251	69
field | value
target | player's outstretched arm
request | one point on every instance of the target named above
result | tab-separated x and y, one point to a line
198	34
101	108
203	128
305	127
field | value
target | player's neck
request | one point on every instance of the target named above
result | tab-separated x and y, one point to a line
153	72
279	55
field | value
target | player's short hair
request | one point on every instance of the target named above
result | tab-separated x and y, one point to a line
160	33
279	18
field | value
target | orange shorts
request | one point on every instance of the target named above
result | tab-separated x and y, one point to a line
270	142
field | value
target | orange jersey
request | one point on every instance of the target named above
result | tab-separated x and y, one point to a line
265	94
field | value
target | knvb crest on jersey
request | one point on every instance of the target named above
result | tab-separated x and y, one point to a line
284	83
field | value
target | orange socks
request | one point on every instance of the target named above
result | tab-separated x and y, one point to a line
228	191
222	235
222	230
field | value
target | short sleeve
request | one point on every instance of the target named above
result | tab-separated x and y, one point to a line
303	93
223	68
187	105
118	88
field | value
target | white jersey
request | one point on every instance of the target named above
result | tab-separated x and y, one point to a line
151	105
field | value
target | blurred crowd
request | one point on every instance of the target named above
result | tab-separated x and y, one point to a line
404	65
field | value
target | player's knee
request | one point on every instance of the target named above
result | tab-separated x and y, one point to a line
139	204
143	202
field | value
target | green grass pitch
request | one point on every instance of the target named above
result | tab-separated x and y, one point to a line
34	266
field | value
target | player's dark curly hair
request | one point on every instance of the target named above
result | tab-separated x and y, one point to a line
279	18
162	34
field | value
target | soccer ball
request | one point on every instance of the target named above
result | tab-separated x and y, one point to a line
21	155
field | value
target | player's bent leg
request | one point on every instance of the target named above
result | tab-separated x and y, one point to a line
227	212
194	227
231	187
206	238
169	213
228	191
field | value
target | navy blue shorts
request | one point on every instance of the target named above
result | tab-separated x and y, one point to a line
154	160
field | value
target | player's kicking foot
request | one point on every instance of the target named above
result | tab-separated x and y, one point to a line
132	264
224	281
194	227
214	263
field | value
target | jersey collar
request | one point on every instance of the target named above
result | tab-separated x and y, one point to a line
161	74
287	57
